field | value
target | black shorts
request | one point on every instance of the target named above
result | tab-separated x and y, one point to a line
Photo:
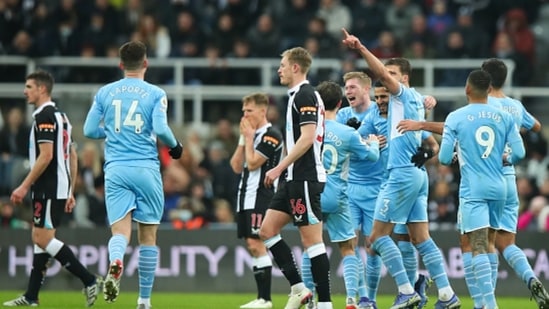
47	213
301	200
249	221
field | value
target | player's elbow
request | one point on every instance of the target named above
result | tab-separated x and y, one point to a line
160	131
518	154
237	169
537	126
91	131
252	166
46	156
88	131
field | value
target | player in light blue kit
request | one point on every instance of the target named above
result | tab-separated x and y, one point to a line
505	235
376	123
480	132
505	239
362	188
401	199
133	113
341	142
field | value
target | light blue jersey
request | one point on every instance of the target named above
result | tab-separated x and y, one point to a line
373	123
480	132
363	187
374	176
133	113
522	118
340	142
401	200
520	115
407	104
129	114
346	113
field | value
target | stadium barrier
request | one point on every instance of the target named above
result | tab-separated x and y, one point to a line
216	261
195	95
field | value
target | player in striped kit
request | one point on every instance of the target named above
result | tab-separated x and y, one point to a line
51	180
259	149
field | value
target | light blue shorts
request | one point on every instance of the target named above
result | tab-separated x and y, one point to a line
509	217
333	198
403	197
339	225
400	229
362	203
137	189
478	214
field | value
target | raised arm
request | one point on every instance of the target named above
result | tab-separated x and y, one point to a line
374	64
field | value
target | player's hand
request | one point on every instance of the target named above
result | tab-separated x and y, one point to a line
382	141
18	195
421	156
246	128
408	125
353	123
429	102
350	40
69	205
506	160
176	151
271	176
372	138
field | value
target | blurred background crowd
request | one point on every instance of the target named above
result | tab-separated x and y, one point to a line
200	188
218	29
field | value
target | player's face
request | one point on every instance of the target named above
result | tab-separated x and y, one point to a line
32	91
356	93
285	72
381	94
253	113
395	72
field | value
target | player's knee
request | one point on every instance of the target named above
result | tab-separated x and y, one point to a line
347	247
255	247
264	233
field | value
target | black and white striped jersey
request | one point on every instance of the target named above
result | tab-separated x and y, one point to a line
252	192
51	126
305	106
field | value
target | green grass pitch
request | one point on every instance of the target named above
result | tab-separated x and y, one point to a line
61	300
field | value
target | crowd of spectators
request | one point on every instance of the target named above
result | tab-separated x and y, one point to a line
221	29
200	188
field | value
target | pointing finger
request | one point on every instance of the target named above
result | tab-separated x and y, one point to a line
345	33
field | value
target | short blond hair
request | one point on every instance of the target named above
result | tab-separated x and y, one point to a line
299	56
259	98
363	78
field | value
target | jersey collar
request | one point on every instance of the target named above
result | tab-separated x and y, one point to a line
295	88
38	110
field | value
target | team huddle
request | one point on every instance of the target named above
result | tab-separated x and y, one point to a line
346	170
